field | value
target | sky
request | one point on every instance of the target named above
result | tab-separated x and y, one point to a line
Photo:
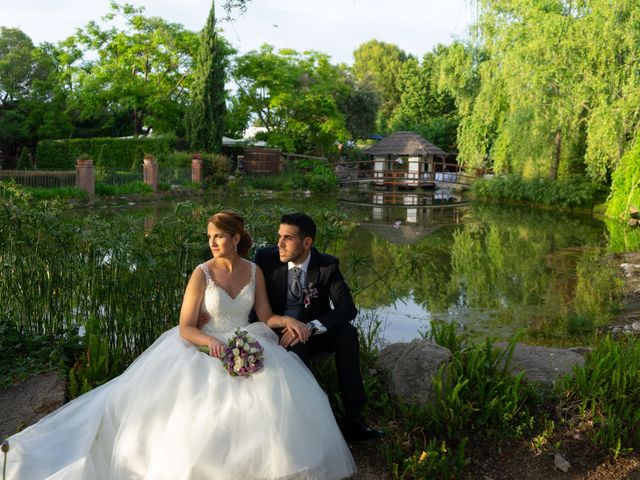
335	27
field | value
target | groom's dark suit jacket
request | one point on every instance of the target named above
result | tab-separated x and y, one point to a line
323	274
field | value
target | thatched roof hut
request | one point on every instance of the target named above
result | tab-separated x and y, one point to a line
404	143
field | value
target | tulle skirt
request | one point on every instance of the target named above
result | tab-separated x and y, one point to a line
175	413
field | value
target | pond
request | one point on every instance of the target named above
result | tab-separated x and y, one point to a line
414	258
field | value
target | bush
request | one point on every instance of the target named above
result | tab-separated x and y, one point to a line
61	193
108	152
570	192
24	160
216	168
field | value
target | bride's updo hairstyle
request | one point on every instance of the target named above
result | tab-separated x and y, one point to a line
232	223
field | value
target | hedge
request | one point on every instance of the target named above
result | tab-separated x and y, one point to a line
107	152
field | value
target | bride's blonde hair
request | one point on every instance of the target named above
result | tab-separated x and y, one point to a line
232	223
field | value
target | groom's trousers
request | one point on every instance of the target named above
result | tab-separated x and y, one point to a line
343	341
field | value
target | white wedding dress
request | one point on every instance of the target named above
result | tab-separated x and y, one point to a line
176	414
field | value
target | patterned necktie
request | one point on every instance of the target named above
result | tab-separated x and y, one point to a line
295	285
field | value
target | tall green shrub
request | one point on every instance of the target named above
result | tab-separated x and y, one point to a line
108	152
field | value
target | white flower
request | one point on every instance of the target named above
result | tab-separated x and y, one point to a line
236	352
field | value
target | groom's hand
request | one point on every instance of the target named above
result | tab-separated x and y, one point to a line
203	319
294	332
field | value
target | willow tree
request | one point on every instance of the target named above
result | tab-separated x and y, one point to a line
206	113
553	88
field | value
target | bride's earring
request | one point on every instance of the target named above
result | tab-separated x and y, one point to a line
236	247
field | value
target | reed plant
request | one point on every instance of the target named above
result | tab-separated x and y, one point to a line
474	394
603	395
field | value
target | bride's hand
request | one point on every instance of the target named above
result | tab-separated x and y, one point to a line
294	332
216	347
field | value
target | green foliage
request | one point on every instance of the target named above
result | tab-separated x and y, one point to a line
107	152
424	108
625	186
570	192
304	174
24	161
295	96
59	193
134	71
605	391
436	461
137	157
216	168
531	93
622	238
476	391
105	189
378	65
24	355
206	112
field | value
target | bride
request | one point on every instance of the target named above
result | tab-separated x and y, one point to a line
176	413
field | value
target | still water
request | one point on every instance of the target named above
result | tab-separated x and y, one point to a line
414	258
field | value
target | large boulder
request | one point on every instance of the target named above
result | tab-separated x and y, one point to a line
542	364
411	367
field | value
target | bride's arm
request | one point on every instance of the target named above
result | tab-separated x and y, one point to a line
265	314
189	312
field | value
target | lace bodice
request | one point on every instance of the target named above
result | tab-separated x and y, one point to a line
225	312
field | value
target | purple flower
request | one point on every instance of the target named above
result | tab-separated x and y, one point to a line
242	355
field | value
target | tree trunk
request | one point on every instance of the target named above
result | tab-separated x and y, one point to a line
555	162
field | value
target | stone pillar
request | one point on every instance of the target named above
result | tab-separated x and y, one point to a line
85	177
196	169
150	172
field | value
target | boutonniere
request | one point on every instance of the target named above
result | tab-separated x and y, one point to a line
309	293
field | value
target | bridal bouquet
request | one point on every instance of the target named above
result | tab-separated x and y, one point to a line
242	355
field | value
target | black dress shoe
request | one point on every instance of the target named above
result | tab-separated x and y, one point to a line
359	432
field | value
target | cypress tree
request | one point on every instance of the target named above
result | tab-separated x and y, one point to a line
205	116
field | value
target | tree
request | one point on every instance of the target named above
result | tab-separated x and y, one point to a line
139	72
360	109
295	96
551	88
378	65
206	114
424	107
32	100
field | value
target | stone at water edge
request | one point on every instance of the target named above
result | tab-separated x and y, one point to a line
542	364
412	366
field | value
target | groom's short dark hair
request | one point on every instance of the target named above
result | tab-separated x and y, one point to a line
304	222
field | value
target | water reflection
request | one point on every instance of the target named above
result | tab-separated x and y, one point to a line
415	257
495	270
402	217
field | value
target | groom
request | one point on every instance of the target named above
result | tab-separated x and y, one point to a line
307	285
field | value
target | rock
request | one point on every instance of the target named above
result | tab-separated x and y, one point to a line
542	364
27	402
635	326
582	351
560	463
412	367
